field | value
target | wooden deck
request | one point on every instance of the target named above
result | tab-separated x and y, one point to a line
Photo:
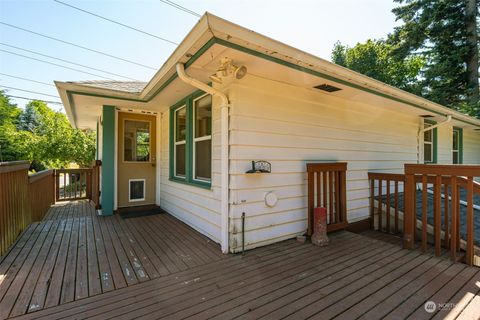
160	268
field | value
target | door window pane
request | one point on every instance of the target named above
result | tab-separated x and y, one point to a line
203	116
203	160
136	142
428	152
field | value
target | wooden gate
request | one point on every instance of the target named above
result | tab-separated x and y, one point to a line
327	188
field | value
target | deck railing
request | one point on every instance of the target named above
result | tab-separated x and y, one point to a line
327	189
73	184
425	189
23	199
449	180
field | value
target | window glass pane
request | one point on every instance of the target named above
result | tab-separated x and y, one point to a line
137	190
427	151
203	116
428	135
455	157
180	123
455	140
203	160
180	160
136	142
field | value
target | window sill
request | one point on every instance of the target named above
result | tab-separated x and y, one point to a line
199	184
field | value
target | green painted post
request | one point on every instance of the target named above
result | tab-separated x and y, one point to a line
108	156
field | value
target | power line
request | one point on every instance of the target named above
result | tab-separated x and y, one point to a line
77	45
175	5
55	64
35	92
26	79
26	98
116	22
67	61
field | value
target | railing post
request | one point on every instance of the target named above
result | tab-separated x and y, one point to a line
409	214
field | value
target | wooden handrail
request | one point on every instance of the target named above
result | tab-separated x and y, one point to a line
327	188
447	181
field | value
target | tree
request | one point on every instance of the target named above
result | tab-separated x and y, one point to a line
9	117
445	34
375	59
43	136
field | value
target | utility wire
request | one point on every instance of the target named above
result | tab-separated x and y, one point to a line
67	61
116	22
35	92
175	5
26	79
31	99
55	64
77	45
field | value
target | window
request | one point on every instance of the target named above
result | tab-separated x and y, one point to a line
136	190
191	143
202	140
429	143
136	140
457	141
180	141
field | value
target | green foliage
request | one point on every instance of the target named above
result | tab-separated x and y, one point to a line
437	31
374	58
44	137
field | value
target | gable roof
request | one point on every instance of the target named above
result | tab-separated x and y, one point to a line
122	86
211	31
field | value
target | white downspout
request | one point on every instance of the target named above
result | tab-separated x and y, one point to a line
423	130
224	149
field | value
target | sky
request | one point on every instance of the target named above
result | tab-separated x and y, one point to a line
311	25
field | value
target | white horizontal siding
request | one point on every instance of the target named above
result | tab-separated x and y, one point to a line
197	207
471	147
291	126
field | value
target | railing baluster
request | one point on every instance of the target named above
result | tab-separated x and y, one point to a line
372	209
337	196
437	215
470	229
330	196
380	211
455	219
311	203
388	206
424	213
446	239
396	206
319	189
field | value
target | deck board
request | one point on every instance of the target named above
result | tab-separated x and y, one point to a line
76	264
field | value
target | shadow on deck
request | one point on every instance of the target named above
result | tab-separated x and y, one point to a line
157	267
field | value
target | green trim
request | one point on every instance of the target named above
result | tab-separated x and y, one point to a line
460	144
435	141
108	160
96	142
228	44
188	102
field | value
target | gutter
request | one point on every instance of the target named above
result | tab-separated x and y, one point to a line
224	206
423	130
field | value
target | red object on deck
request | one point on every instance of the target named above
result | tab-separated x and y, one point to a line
319	236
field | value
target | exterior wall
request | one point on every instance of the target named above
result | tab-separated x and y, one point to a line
471	147
194	205
444	144
289	126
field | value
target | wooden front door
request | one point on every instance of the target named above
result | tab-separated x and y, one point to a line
136	160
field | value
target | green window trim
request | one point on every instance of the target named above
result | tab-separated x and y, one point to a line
188	179
460	143
434	142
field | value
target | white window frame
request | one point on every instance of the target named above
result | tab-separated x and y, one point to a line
195	140
176	143
129	189
426	125
457	151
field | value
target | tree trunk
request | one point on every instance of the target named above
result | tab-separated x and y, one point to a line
471	11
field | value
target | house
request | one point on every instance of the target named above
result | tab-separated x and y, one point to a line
228	96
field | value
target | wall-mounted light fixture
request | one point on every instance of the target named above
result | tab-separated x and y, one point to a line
260	167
